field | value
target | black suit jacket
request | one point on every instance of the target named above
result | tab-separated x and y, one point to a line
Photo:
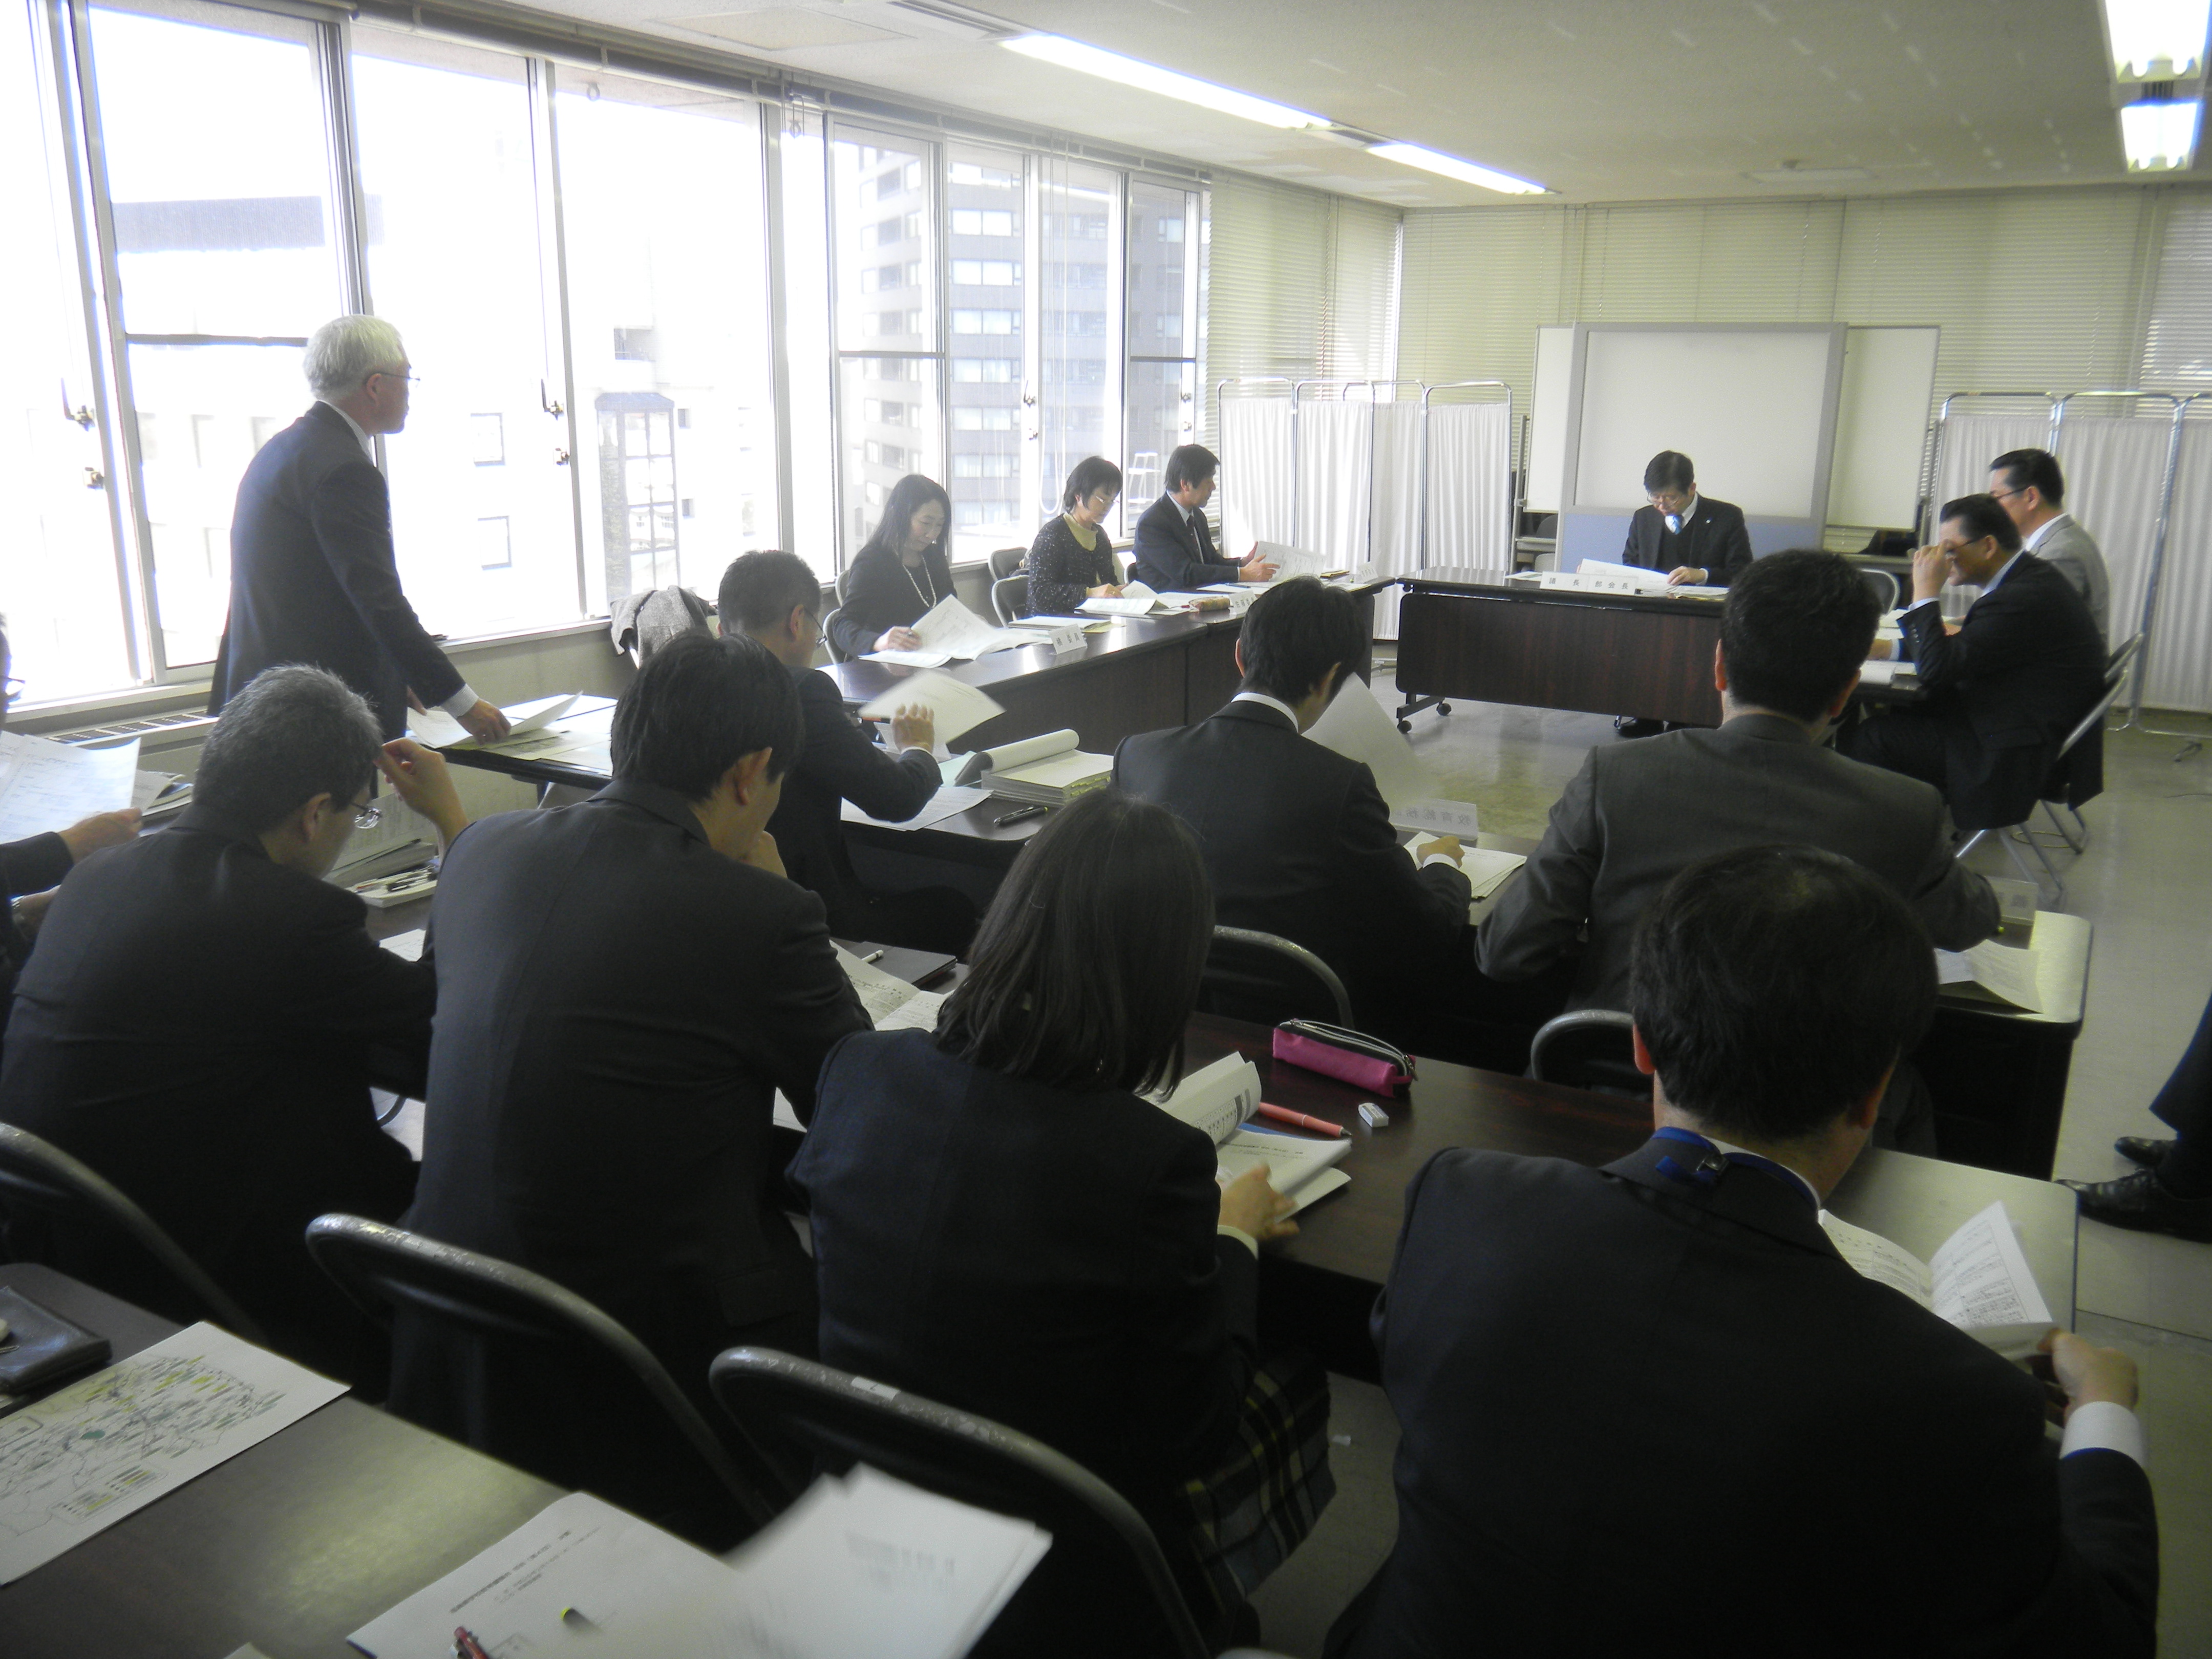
618	1005
880	595
1714	541
1298	843
2021	672
195	1023
1174	557
313	578
29	865
839	763
1640	1416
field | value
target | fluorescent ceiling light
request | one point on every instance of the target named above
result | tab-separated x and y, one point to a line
1450	166
2158	138
1151	77
2157	39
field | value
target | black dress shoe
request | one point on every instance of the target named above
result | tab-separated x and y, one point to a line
2141	1149
2138	1201
1629	726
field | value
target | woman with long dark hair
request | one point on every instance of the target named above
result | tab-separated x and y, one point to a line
900	572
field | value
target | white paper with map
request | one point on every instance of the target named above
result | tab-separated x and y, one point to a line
82	1459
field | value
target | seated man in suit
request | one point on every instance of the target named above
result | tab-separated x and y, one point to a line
775	599
1173	552
1649	1409
2005	689
1297	839
2028	485
1795	630
624	986
197	1019
1697	541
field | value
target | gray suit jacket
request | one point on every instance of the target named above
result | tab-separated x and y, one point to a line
2072	552
1639	812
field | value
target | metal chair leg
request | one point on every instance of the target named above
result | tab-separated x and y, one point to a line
1969	844
2020	860
2064	834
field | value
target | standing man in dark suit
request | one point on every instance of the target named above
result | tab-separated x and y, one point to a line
775	599
2002	692
313	577
2172	1193
1649	1409
1297	839
196	1020
624	984
1174	551
1697	541
1795	630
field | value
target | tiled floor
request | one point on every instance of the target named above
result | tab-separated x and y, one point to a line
2146	884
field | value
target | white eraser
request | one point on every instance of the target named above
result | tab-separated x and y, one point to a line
1373	1115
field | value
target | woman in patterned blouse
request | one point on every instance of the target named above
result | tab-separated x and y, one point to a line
1072	558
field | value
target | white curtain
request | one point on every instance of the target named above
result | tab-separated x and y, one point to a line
1470	486
1969	442
1257	472
1397	512
2180	646
2115	470
1336	456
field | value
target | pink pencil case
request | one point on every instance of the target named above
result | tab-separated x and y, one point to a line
1363	1062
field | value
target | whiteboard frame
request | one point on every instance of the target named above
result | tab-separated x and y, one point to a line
1823	459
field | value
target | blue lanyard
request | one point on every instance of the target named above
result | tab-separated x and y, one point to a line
1711	1161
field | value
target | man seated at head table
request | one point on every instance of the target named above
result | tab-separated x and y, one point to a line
1174	551
1699	542
2002	693
1792	633
1297	839
624	986
1649	1409
196	1020
777	600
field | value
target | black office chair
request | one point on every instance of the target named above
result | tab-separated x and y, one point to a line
1104	1561
1885	588
837	652
35	1174
381	1268
1010	598
1589	1048
1267	979
844	583
1006	560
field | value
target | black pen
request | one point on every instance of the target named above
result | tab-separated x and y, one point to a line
1019	814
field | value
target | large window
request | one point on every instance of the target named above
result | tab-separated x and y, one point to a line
1163	332
1079	341
985	247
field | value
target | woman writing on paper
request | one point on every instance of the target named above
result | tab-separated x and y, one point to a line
900	573
1072	558
1001	1223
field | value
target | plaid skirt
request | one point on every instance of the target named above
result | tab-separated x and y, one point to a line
1240	1521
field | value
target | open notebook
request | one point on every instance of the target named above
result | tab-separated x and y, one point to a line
1978	1279
1217	1099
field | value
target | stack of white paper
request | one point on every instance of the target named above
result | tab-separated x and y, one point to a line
47	786
955	707
1980	1280
1048	770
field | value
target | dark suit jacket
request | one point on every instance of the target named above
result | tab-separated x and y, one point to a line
1298	843
1640	1416
1637	813
2021	672
29	865
313	578
880	595
618	1005
1172	557
840	763
1103	1315
194	1024
1714	540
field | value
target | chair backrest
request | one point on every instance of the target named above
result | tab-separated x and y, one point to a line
1267	979
829	637
382	1268
2123	655
1588	1048
1006	560
1010	598
2115	674
1098	1540
845	584
1884	585
37	1175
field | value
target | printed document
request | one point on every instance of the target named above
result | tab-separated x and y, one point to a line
2005	971
1979	1280
955	706
436	729
1355	725
1220	1099
950	800
892	1005
951	627
46	785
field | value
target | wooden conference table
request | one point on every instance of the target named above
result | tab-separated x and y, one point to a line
289	1545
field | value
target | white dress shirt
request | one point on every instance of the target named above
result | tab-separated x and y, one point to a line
465	699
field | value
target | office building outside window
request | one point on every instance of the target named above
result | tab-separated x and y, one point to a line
1162	311
984	198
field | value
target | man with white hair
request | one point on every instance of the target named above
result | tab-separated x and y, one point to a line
313	577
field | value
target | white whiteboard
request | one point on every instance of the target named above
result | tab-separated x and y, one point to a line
1752	407
1881	426
1548	422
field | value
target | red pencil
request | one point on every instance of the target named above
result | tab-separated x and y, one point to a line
1320	1126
